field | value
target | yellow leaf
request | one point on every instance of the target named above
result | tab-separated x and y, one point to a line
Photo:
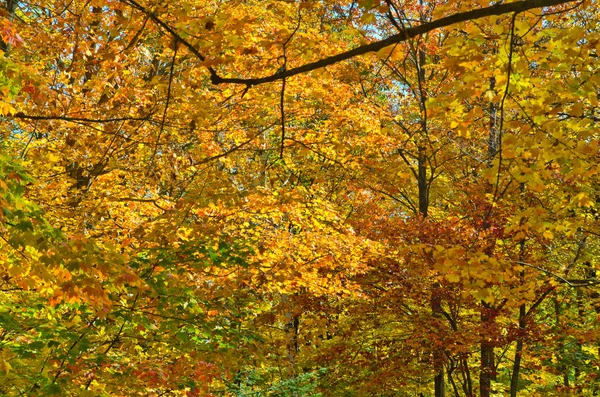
453	277
582	200
7	367
6	109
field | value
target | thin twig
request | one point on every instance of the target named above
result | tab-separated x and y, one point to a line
164	116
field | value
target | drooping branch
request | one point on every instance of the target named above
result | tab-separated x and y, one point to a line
78	119
405	34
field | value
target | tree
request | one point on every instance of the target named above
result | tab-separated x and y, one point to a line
226	198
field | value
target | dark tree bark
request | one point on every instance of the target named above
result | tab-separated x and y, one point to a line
404	35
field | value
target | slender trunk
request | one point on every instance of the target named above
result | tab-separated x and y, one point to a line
436	299
594	295
451	379
514	379
422	182
578	344
487	354
438	354
466	374
291	334
561	366
487	370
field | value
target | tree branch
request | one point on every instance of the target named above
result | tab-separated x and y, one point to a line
574	283
164	116
78	119
405	34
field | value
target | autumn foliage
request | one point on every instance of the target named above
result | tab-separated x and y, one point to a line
299	198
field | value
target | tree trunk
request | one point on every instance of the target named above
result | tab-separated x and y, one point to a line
561	366
438	354
423	185
514	379
292	323
436	299
487	370
11	7
487	355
